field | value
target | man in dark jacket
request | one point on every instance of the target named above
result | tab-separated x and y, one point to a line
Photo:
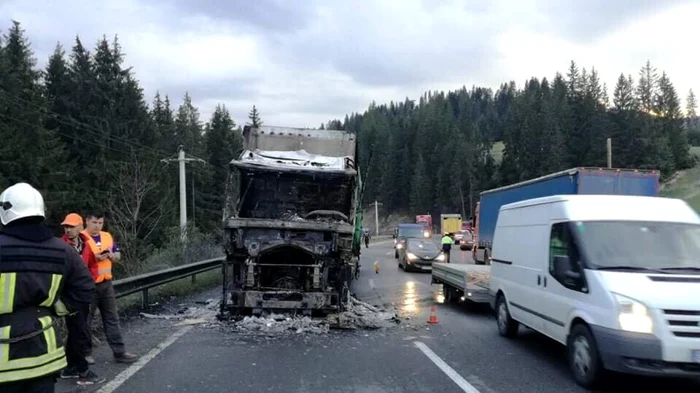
78	342
41	279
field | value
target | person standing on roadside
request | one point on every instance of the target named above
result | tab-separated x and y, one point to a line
446	242
106	252
41	280
78	342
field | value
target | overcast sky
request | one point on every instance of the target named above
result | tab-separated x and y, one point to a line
307	61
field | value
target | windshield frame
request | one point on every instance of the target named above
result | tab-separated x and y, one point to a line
585	252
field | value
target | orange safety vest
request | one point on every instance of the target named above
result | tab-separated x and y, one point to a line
104	267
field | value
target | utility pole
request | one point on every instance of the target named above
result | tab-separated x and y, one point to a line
376	216
182	159
609	148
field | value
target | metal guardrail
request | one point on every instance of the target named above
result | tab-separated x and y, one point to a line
143	282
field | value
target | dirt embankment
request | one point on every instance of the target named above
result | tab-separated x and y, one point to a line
387	223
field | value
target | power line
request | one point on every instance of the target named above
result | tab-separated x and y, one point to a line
85	127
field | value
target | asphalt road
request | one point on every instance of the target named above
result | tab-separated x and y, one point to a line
463	352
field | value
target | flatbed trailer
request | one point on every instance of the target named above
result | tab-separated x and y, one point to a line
463	280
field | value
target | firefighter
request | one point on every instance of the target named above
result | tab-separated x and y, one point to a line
41	280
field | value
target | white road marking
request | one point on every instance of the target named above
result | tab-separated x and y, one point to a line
389	253
371	283
449	371
123	376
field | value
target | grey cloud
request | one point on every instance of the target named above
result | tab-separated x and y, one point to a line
212	89
589	20
277	16
378	51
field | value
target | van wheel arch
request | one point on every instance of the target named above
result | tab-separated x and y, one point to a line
507	326
580	342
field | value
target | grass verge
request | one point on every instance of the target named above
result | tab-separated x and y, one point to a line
686	184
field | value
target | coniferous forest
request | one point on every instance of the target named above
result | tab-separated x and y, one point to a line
83	132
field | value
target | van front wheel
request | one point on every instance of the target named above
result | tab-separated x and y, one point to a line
584	360
507	326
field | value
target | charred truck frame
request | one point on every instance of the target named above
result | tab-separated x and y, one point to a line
292	221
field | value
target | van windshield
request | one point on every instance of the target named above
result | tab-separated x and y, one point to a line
412	231
640	244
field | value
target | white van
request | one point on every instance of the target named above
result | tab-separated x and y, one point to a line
614	278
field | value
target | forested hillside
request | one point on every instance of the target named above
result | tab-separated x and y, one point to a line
434	155
82	130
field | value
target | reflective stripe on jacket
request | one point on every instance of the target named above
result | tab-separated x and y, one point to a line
32	281
104	267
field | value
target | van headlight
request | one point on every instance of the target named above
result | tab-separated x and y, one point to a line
411	255
633	315
440	257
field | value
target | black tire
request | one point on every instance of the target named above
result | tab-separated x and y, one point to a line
450	294
396	254
584	358
507	326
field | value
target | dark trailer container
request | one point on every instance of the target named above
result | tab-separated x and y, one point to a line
572	181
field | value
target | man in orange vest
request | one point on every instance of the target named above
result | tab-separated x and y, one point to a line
106	251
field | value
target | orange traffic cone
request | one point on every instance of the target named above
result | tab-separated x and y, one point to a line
376	267
433	317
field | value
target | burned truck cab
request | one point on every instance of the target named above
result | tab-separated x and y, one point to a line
291	230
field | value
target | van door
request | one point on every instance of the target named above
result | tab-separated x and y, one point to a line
562	292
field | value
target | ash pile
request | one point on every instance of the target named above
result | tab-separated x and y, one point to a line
201	314
356	316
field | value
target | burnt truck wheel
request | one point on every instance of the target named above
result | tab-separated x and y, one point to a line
584	359
507	326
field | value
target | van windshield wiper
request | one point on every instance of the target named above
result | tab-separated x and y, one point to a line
636	268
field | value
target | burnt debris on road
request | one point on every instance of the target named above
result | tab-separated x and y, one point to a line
356	315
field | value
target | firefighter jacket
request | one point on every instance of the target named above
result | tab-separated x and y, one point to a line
41	279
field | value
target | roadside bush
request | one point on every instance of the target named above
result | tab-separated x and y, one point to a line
198	246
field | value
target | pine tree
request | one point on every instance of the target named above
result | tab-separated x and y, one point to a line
671	120
691	106
29	151
420	187
647	88
254	117
692	121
